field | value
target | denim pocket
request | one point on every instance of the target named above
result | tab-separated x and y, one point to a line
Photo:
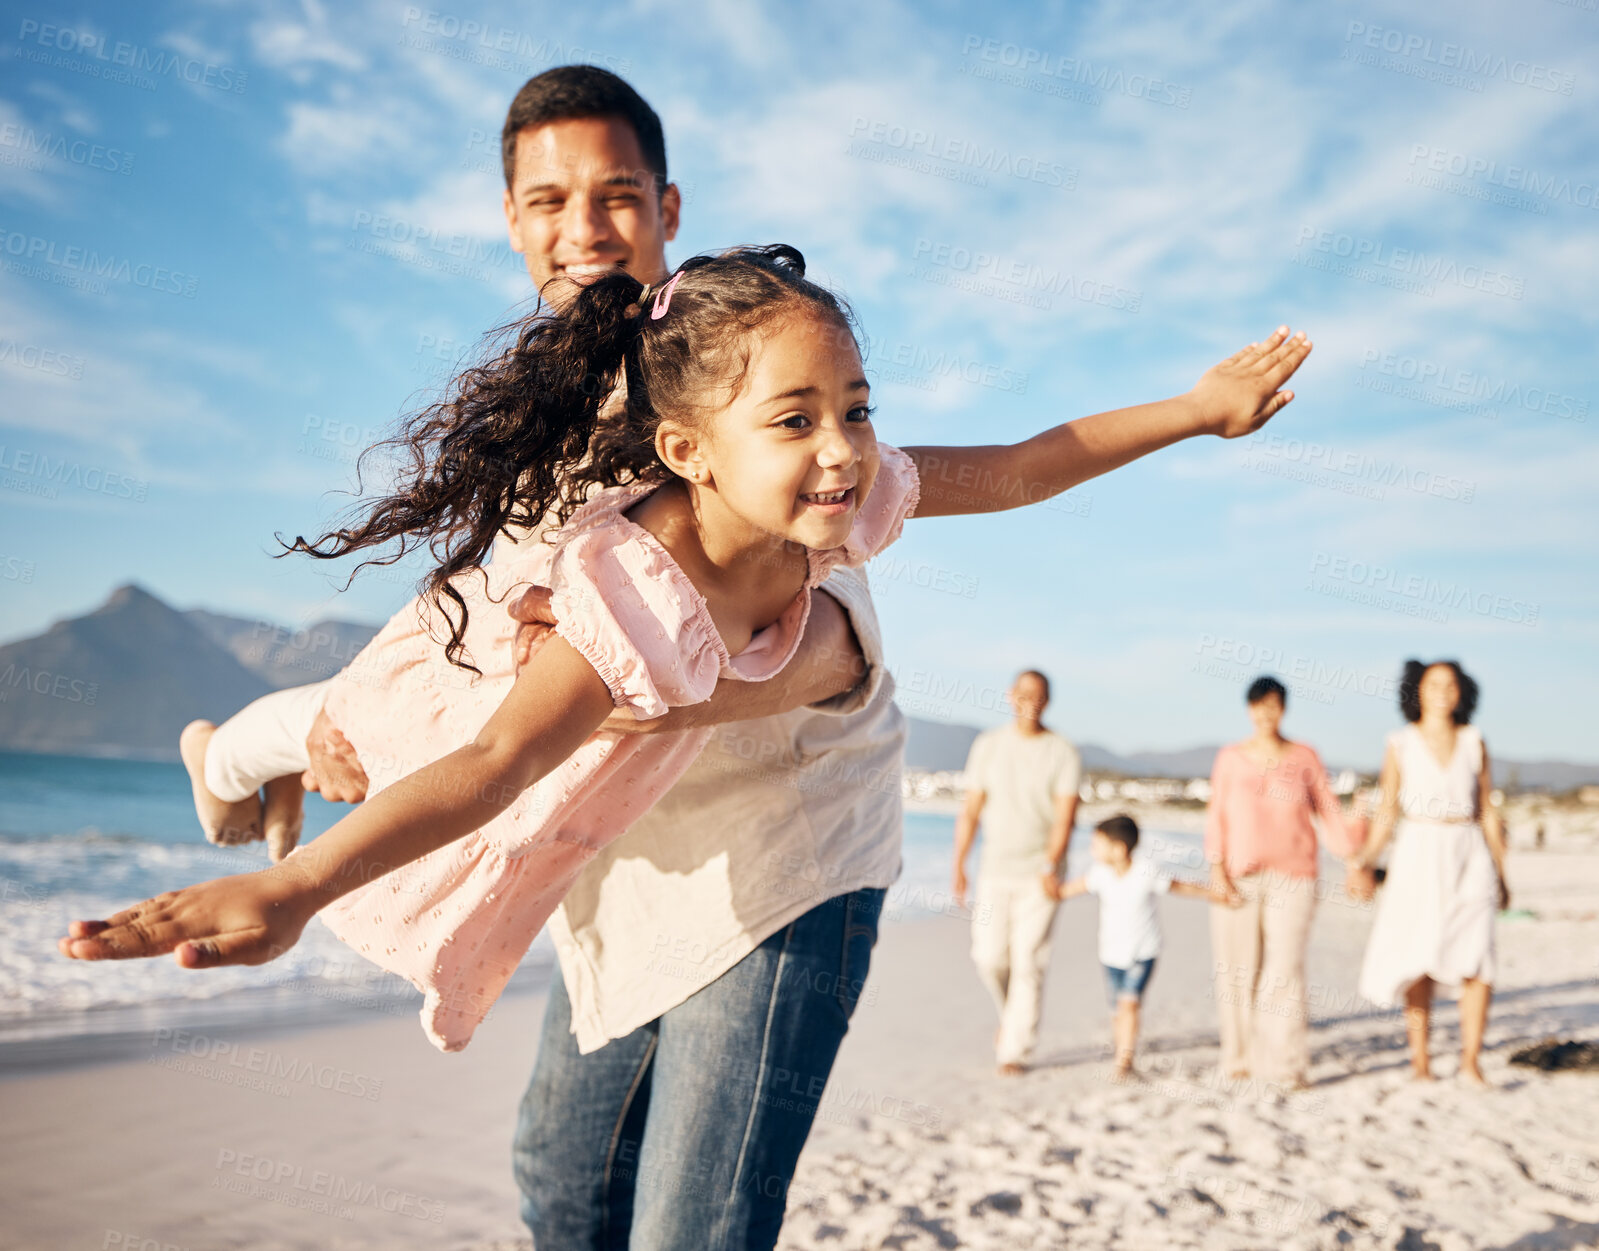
862	908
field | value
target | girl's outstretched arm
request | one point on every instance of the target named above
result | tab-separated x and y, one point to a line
557	701
1234	398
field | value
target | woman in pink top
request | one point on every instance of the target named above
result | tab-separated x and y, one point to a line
742	469
1262	849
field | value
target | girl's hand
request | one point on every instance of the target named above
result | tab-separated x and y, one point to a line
1240	395
249	918
1504	894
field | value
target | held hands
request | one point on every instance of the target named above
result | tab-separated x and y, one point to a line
1359	879
249	918
1051	884
1222	889
1240	395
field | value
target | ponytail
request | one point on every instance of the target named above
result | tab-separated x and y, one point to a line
496	453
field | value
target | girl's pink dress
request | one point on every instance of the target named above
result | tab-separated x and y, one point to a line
458	921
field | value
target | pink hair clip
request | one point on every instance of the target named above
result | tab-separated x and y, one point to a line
663	301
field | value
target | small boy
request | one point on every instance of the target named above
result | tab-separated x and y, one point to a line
1129	929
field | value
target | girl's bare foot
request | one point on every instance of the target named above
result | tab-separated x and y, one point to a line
284	815
1011	1069
1422	1074
224	824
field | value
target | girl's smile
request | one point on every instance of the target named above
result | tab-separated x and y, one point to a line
830	503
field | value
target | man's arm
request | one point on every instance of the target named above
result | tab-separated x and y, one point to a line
829	662
1062	891
1060	830
965	836
1232	399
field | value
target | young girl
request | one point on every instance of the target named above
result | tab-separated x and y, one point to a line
742	468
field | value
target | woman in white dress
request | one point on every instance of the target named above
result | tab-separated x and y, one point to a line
1446	876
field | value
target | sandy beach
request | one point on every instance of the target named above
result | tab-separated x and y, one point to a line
361	1135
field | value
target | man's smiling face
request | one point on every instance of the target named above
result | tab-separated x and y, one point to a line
582	202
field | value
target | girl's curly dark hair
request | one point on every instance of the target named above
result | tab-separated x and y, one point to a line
519	439
1410	690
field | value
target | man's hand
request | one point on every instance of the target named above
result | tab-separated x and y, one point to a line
335	769
1240	395
1051	885
249	918
532	609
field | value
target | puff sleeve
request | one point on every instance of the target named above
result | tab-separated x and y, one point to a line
633	614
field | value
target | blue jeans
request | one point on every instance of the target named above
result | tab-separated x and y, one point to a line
683	1135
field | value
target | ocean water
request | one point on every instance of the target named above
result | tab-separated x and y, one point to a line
84	838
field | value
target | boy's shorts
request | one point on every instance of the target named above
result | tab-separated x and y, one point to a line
1128	983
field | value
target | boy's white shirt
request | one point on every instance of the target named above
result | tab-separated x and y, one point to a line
1129	925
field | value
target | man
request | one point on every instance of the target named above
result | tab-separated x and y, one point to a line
1021	783
711	957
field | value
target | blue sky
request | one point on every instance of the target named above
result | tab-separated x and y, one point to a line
239	238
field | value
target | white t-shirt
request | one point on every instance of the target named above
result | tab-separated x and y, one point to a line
776	816
1129	927
1021	775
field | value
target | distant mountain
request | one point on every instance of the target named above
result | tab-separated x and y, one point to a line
121	681
937	745
1190	762
125	679
281	657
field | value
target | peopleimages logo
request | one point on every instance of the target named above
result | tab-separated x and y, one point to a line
1364	581
988	158
1447	55
1376	471
31	253
1509	177
1472	388
981	266
90	54
1423	270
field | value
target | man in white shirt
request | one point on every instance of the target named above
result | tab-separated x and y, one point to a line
711	957
1021	784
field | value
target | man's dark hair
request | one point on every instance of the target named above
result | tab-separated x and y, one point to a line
1410	690
570	92
1263	688
1121	828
